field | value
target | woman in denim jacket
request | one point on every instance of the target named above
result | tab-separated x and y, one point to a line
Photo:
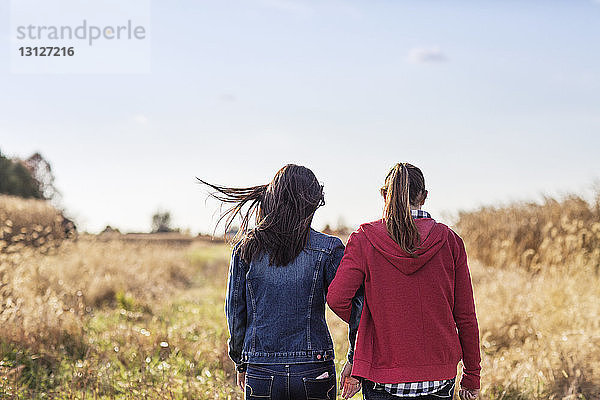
278	278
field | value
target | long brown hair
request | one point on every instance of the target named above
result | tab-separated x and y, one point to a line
404	186
283	211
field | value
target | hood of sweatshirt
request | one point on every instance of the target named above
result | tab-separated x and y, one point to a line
433	236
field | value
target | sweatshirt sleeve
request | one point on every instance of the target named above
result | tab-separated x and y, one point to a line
466	319
349	277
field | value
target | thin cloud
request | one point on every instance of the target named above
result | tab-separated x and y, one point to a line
140	119
228	98
421	55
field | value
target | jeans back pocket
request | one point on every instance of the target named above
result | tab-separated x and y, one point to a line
320	389
258	387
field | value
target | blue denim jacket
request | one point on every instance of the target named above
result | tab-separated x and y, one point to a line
277	314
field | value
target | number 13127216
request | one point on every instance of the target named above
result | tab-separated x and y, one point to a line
46	51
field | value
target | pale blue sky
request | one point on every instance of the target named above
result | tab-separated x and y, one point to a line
495	101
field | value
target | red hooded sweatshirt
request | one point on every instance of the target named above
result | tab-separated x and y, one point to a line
418	320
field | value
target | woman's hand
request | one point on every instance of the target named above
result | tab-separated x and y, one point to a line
348	385
241	380
468	394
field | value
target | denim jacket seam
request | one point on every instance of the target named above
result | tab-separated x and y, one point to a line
320	249
253	303
310	299
327	250
288	353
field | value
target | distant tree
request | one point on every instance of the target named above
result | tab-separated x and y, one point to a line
110	229
342	226
16	179
41	171
161	222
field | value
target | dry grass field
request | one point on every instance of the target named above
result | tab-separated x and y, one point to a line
98	319
31	223
560	234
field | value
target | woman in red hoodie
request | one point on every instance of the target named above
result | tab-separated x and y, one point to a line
418	320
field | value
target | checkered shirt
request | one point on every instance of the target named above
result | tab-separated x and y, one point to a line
414	389
420	214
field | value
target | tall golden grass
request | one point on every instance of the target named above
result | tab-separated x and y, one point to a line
537	291
562	233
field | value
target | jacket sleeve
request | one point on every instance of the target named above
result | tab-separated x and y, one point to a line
235	306
466	319
357	300
348	279
333	262
357	306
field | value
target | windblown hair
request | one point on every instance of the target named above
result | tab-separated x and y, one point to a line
404	186
283	211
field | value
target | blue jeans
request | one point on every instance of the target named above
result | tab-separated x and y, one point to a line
291	381
446	393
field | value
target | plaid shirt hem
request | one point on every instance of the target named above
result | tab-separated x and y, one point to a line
414	389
